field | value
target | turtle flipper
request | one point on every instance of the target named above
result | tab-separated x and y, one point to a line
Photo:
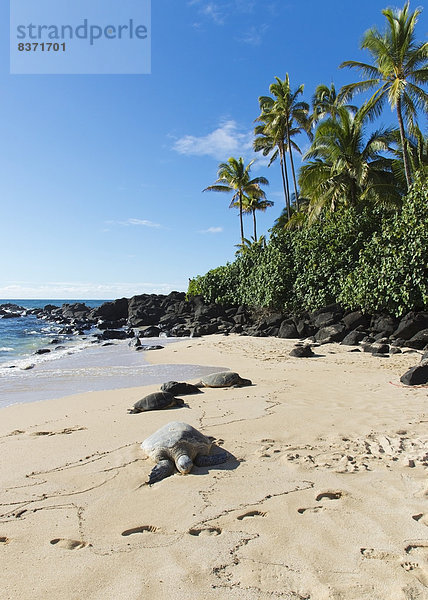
212	459
163	469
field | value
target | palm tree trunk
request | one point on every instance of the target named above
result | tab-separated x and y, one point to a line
240	216
254	223
404	144
292	167
285	181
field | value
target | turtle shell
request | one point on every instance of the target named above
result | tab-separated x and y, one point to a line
224	379
176	438
179	388
157	401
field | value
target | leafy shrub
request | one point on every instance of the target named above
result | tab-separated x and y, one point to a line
218	285
326	252
361	258
392	272
265	275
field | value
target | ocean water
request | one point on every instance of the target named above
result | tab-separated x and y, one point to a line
75	364
22	336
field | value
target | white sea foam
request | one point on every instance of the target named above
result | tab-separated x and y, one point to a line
6	349
88	367
39	359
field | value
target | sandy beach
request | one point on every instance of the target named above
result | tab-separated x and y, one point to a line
324	495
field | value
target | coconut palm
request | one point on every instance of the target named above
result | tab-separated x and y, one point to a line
253	203
270	141
325	103
417	149
298	220
234	176
282	117
246	246
400	67
344	169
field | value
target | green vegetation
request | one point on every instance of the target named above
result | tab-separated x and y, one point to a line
234	176
400	67
282	118
345	168
392	270
357	232
253	203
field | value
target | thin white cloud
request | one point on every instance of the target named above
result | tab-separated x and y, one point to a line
212	10
212	230
245	6
227	140
85	290
254	35
219	10
141	222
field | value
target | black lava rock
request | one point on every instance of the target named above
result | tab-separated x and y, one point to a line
417	375
353	338
411	324
332	333
288	330
302	351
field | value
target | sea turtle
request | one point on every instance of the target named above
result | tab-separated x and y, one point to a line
180	445
156	401
223	379
179	388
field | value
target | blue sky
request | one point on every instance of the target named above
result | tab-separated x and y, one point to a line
101	176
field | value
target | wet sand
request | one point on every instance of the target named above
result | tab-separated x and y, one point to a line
88	368
324	495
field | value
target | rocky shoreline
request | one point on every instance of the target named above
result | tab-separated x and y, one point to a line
172	315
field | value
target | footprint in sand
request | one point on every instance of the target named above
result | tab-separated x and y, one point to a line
375	553
330	495
252	513
4	540
421	518
204	531
418	563
68	544
142	529
266	449
65	431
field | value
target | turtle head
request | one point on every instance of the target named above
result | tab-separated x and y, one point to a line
184	464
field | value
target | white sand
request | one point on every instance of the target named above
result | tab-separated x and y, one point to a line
324	497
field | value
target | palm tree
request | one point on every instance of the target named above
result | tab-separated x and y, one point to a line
417	149
399	67
246	246
325	103
234	176
345	169
298	219
253	203
270	141
282	118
